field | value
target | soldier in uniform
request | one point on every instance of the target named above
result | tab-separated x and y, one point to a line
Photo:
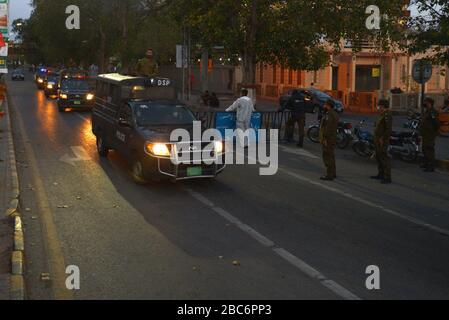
147	67
382	135
328	139
429	132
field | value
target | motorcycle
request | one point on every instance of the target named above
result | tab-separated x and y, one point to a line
344	134
364	143
413	121
404	145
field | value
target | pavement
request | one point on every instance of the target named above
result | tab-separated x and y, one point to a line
6	232
241	236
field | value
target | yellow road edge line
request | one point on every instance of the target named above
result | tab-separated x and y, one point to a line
56	261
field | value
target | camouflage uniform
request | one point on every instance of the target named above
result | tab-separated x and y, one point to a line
328	139
382	134
147	67
429	132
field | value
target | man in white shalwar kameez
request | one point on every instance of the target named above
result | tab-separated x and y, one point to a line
244	108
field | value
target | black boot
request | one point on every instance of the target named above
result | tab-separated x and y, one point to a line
378	177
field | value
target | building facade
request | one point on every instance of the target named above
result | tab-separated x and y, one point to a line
359	80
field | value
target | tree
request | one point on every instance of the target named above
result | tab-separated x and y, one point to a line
429	32
295	33
109	28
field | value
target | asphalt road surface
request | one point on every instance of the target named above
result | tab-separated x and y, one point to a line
242	236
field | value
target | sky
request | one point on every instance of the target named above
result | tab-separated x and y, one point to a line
22	9
19	9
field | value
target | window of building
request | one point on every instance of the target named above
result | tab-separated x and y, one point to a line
299	78
290	76
261	69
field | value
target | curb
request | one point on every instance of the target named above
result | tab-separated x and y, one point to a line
17	259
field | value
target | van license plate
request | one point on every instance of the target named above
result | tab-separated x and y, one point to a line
194	171
77	103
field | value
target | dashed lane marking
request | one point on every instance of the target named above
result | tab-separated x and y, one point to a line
284	254
366	202
299	152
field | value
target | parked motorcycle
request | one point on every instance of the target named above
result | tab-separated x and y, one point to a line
344	134
413	121
364	143
404	145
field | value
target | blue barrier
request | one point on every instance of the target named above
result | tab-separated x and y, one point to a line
227	121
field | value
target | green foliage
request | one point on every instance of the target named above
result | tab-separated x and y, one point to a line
297	33
430	31
109	28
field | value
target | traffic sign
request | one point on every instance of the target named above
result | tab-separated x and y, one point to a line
422	71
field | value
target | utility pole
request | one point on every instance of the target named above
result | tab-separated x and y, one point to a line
189	66
205	70
183	64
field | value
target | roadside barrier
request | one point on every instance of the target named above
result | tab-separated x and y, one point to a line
270	120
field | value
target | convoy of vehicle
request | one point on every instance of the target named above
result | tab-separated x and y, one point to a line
135	116
39	77
75	93
51	85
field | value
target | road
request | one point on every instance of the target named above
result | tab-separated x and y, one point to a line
242	236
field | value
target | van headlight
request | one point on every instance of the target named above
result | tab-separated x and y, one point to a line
49	86
158	149
90	96
63	96
40	80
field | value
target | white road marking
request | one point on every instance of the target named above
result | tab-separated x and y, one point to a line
284	254
81	116
366	202
299	152
80	155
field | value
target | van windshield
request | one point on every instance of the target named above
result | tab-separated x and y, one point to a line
150	114
75	85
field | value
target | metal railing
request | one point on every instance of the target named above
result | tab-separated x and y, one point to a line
270	120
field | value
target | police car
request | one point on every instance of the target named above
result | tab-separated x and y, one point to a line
136	116
39	77
75	91
51	84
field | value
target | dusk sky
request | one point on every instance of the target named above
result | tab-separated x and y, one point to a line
22	9
19	9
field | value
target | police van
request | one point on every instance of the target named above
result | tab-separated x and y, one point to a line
136	116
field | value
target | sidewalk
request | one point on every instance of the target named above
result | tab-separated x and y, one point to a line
6	232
